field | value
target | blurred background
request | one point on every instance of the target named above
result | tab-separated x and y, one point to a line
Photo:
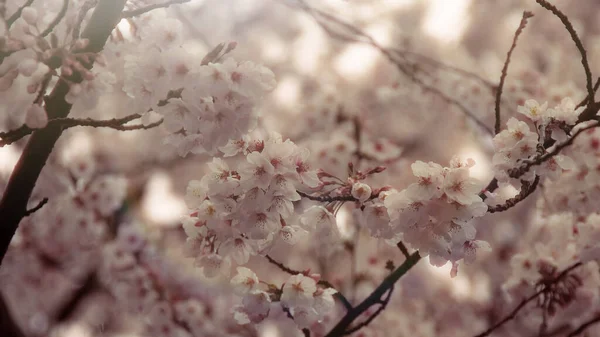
327	89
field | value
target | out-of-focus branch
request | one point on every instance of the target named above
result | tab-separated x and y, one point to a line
375	297
395	56
584	61
526	15
584	326
327	198
8	327
527	300
16	15
57	19
143	10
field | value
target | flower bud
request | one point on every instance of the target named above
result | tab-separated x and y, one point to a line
37	117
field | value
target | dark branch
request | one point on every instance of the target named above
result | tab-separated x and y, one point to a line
384	302
7	325
520	171
585	100
10	137
37	207
13	205
16	15
403	249
375	297
527	189
57	19
143	10
584	326
66	310
526	16
584	61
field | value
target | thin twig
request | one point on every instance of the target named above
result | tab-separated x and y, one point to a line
57	19
527	189
584	326
526	16
143	10
585	100
584	61
12	136
37	207
391	54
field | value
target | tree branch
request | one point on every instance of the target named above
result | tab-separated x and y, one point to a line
526	15
13	205
10	137
375	297
584	61
57	19
7	325
143	10
37	207
527	189
16	15
520	171
384	302
585	325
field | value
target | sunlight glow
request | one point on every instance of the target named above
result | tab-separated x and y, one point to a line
269	330
160	205
482	169
446	20
8	159
343	221
310	46
356	61
287	92
461	286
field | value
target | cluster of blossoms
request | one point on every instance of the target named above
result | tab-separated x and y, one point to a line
432	215
30	57
299	296
238	213
204	102
147	283
217	107
577	189
518	143
562	242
